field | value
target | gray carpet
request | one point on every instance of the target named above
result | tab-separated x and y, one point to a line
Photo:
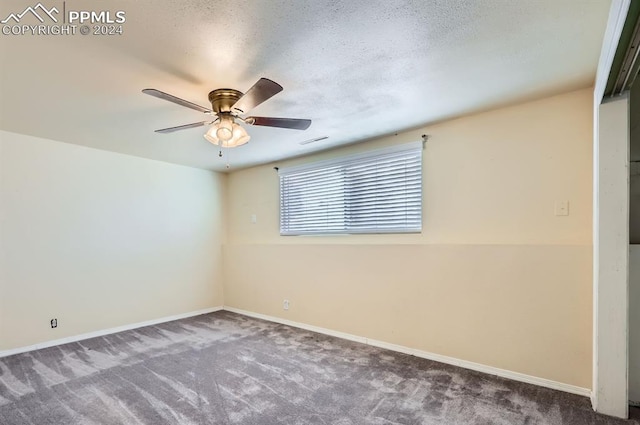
223	368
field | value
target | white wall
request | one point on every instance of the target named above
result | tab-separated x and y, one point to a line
634	142
634	250
98	239
634	324
495	278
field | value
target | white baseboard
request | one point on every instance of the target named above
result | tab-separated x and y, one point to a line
103	332
516	376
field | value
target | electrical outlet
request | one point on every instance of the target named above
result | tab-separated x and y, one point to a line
254	218
54	323
285	305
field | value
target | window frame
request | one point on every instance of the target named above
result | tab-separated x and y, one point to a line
371	155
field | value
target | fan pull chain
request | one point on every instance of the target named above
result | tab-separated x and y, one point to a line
222	146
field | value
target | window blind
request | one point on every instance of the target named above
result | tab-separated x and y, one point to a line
375	192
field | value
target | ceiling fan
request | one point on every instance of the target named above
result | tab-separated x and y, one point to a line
228	105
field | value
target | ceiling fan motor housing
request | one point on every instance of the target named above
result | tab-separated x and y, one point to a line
223	99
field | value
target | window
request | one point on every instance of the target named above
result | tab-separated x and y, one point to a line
375	192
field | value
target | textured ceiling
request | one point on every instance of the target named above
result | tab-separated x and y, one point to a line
358	68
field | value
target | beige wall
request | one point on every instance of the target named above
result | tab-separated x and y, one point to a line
98	239
494	278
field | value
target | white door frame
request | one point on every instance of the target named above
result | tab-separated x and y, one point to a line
611	259
610	232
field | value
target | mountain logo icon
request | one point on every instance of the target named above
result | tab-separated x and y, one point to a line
43	11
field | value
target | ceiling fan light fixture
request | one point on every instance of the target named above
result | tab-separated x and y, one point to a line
224	131
238	135
224	134
210	135
227	105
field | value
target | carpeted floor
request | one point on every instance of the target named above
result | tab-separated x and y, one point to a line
223	368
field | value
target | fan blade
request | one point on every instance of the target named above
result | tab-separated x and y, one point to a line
184	127
263	90
162	95
293	123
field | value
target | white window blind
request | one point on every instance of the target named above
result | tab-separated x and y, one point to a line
375	192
